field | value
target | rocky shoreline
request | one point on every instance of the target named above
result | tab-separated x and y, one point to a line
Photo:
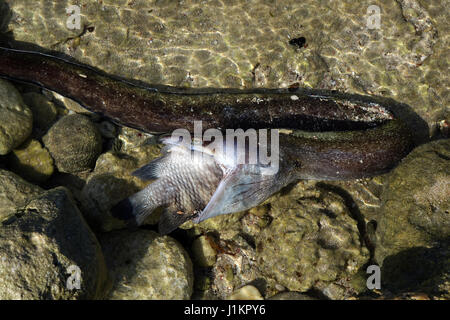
61	171
62	168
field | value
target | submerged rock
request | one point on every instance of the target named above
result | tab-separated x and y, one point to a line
135	142
303	240
47	251
228	225
204	254
234	268
110	182
74	143
145	265
44	111
413	233
312	243
71	105
16	118
14	193
291	295
247	292
32	161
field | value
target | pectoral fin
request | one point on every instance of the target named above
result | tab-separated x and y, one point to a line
240	189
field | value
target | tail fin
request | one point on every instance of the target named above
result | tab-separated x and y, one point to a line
135	209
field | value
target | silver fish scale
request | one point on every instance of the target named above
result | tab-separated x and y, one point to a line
185	183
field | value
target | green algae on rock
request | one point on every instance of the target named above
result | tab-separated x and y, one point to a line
14	193
414	229
40	246
145	265
17	120
74	143
32	161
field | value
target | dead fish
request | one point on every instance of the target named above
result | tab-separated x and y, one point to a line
183	187
195	182
342	136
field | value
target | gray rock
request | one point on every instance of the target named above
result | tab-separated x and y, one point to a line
145	265
74	143
14	193
46	248
16	118
413	233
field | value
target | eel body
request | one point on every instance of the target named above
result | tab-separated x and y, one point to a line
341	136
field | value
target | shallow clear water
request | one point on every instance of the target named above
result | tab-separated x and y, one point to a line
246	44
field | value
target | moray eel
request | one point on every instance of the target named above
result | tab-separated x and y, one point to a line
341	136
